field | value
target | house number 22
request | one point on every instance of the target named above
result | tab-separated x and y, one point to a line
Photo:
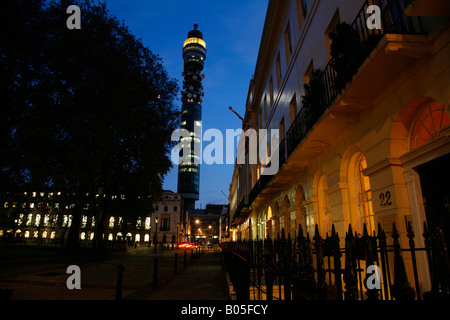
385	199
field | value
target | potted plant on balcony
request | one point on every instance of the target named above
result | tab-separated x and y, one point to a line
349	48
313	99
345	50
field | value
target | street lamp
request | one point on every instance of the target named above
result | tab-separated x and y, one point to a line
156	233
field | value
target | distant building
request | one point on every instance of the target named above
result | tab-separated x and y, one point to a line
206	225
167	221
194	56
43	218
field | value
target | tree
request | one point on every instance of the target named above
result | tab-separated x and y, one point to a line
89	111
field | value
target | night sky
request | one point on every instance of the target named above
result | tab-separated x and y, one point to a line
232	31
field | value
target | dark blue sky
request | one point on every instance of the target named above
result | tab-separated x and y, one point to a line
232	30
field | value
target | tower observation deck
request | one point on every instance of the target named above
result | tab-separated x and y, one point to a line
194	55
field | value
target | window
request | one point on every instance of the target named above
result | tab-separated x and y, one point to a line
166	208
175	208
265	109
324	206
165	224
37	220
271	91
282	129
428	124
260	119
293	108
288	43
278	67
307	75
111	222
334	22
304	8
364	196
301	13
84	221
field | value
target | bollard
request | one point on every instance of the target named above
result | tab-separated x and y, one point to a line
176	262
155	274
185	256
192	255
120	269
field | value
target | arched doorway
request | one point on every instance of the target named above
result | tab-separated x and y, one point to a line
360	210
324	220
300	210
422	130
269	223
431	122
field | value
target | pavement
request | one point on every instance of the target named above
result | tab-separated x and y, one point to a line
194	276
204	280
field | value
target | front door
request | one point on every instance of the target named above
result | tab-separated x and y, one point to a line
435	183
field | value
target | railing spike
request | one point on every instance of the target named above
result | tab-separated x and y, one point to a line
350	231
365	233
401	289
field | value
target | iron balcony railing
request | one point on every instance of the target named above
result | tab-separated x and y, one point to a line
340	70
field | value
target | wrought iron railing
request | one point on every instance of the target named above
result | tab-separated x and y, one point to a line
338	73
318	268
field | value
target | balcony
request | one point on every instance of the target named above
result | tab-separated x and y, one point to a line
369	61
347	87
241	212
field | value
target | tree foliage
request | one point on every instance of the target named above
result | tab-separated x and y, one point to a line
84	112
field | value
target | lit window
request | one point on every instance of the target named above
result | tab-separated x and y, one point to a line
84	221
37	220
46	220
428	124
364	195
111	222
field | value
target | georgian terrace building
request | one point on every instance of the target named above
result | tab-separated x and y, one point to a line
366	142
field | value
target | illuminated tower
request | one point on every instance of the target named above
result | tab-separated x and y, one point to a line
194	55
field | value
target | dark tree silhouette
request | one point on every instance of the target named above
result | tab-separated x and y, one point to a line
84	112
